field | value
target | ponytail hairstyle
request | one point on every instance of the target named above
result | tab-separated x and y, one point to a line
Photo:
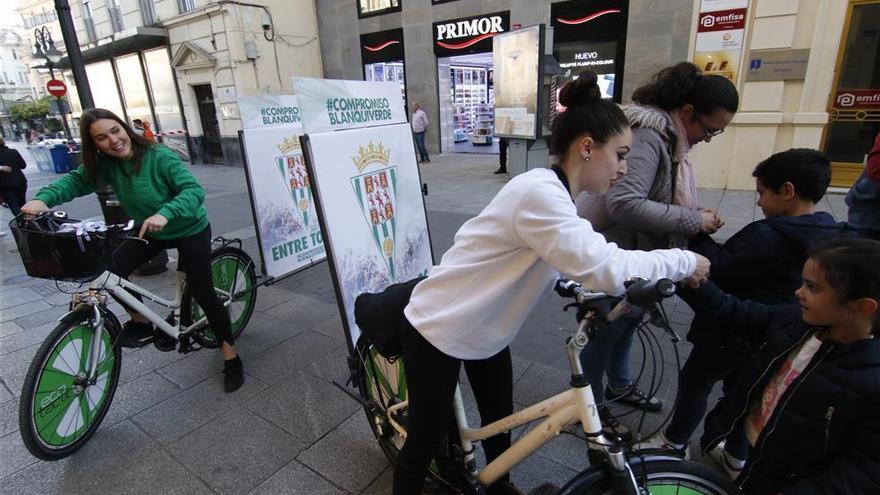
90	153
852	268
683	83
586	113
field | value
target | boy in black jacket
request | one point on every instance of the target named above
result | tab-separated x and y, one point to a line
808	397
762	262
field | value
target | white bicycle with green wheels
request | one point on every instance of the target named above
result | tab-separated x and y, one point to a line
72	379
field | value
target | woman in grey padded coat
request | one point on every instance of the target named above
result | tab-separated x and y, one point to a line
655	205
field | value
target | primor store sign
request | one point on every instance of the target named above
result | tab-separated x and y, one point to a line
470	34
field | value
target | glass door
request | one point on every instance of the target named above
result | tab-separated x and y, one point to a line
854	105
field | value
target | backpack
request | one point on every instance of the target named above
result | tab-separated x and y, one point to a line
380	316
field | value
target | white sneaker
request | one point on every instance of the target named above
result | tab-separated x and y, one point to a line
727	462
660	442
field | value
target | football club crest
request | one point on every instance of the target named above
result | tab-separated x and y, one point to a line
376	192
293	172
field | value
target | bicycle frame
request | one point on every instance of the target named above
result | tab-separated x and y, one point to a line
577	404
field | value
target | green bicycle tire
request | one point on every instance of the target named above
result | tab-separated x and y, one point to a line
55	418
668	478
230	267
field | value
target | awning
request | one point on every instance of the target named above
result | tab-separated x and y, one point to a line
122	43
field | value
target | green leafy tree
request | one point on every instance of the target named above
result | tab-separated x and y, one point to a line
27	112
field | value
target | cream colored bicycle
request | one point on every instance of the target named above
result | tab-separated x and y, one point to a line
382	386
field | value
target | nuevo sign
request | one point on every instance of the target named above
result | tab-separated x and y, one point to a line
469	34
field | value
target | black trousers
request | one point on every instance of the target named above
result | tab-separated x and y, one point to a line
503	143
195	261
431	377
15	196
700	373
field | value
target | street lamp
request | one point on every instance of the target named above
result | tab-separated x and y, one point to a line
45	48
5	108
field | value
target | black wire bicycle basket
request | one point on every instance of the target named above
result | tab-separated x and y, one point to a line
52	251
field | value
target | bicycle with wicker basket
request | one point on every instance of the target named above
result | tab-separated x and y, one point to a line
72	379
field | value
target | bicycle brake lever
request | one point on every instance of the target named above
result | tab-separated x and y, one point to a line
657	319
572	305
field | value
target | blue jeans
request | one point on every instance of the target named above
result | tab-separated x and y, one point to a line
608	353
420	144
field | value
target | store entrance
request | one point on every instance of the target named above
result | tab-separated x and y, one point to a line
467	104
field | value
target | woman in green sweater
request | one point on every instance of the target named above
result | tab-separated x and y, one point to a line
158	192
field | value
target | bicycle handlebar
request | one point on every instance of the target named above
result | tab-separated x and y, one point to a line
639	292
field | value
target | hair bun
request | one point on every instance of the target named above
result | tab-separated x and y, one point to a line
582	91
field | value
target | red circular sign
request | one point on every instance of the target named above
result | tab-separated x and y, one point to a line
56	88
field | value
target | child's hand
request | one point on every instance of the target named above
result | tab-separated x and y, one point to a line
701	273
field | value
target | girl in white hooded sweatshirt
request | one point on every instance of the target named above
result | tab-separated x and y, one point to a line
474	302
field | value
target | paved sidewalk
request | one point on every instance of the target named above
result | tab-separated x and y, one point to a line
288	430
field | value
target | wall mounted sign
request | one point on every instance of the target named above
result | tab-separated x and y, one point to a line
720	32
577	20
384	46
778	65
724	20
469	34
859	98
333	104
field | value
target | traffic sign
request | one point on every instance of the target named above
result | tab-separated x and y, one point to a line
56	88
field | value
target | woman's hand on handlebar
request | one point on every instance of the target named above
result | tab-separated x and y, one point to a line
34	207
701	274
153	223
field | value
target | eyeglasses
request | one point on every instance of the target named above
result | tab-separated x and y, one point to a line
709	131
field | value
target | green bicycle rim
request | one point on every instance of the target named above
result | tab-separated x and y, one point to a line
228	271
60	414
665	488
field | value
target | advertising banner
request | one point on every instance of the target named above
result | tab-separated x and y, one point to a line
331	104
516	57
469	34
720	34
370	201
284	211
269	111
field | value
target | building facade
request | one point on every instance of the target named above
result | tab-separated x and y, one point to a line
808	71
179	65
36	15
14	76
432	49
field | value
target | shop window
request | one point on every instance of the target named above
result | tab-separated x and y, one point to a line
103	85
115	15
134	89
148	12
367	8
186	5
88	21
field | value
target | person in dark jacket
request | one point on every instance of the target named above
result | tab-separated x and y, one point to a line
809	398
13	184
863	198
762	262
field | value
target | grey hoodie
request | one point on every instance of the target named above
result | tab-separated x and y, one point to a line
637	211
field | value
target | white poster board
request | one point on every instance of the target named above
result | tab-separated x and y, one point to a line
285	218
368	191
370	198
332	104
517	60
269	111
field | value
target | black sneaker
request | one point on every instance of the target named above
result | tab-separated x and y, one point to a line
634	397
136	334
613	429
234	372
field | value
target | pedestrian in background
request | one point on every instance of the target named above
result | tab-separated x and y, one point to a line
863	198
419	124
13	183
655	205
502	155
